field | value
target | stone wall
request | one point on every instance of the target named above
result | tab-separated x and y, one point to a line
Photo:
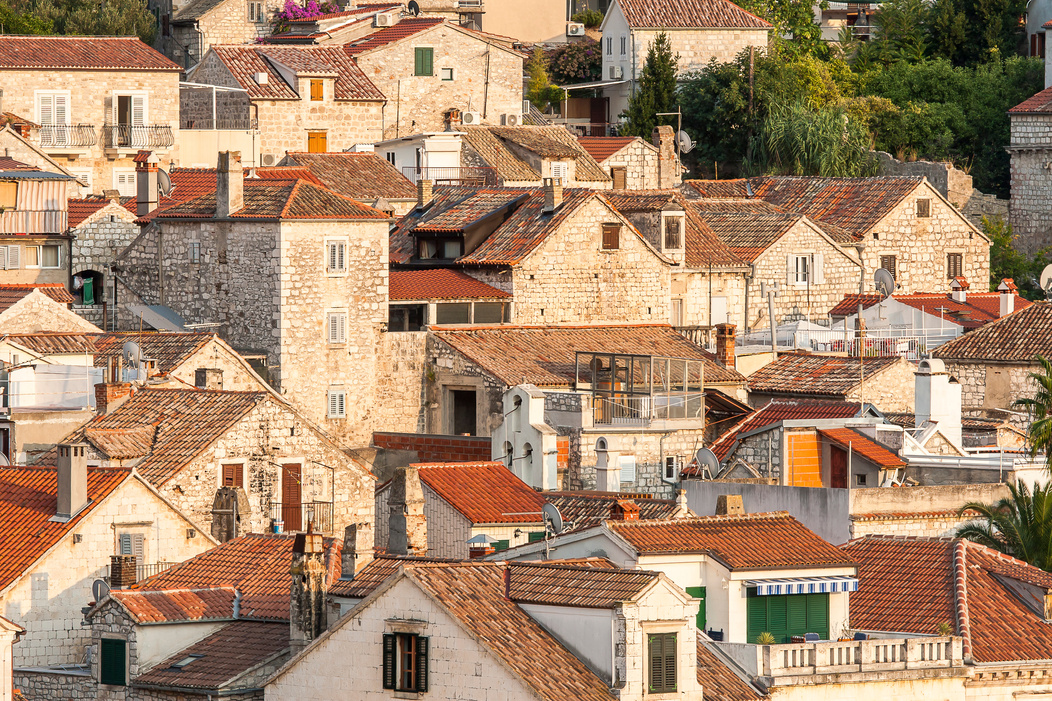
650	448
891	390
955	185
1031	183
450	368
400	392
236	375
436	447
37	312
763	451
69	685
727	290
97	242
640	160
921	525
228	23
990	386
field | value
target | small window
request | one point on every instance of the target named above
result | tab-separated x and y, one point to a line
405	662
132	544
890	264
337	327
317	142
923	208
674	233
619	174
113	662
453	313
609	46
185	661
490	313
954	265
627	463
233	475
336	257
195	251
390	155
32	257
317	90
447	74
673	466
11	257
559	170
337	404
611	237
801	269
8	195
50	257
624	45
662	657
424	59
166	29
860	480
255	12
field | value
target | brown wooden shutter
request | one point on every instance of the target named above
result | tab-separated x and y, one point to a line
611	237
620	176
232	476
888	263
656	643
389	661
954	265
421	664
670	662
316	142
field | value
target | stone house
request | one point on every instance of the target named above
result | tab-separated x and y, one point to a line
39	308
203	449
63	526
34	237
365	177
1029	147
420	298
302	98
631	162
98	101
101	228
699	31
189	29
525	156
508	631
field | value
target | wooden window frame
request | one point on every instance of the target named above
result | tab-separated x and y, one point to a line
954	265
405	662
924	208
322	136
611	236
236	469
894	269
667	668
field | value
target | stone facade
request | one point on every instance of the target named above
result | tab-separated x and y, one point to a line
708	298
235	373
892	389
649	448
1031	180
954	184
987	387
92	94
97	242
36	312
69	685
920	525
640	161
226	23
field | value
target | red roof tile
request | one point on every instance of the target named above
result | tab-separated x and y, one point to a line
168	348
11	294
215	603
277	199
483	492
680	14
439	283
852	440
83	207
586	509
403	30
375	573
602	147
824	375
79	52
1017	337
363	176
28	499
285	173
979	308
1040	103
245	61
718	680
553	584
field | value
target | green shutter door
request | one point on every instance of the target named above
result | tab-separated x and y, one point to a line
699	593
818	614
534	536
756	615
501	545
424	59
778	617
786	616
796	609
111	662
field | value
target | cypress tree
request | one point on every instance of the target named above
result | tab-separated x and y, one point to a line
656	91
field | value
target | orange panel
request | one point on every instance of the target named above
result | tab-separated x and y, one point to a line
804	464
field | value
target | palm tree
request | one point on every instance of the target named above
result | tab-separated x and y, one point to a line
1039	435
1019	525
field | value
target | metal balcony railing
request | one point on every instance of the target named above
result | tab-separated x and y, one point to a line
641	410
296	517
220	123
138	136
28	221
67	135
468	176
144	571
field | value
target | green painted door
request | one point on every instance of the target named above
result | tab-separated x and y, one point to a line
699	593
786	616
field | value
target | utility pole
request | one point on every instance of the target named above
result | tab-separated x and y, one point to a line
678	114
770	292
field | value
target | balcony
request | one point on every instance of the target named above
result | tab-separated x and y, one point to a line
133	137
641	390
219	124
144	571
469	176
62	137
296	517
29	221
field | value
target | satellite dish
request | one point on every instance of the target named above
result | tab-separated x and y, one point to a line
1046	281
132	354
685	144
414	8
884	281
164	183
707	462
4	460
552	518
99	589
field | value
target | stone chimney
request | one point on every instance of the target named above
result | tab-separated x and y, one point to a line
725	336
357	550
110	395
408	524
937	398
959	290
729	505
624	510
146	186
72	479
669	176
208	378
424	193
1007	289
230	184
681	502
122	571
307	595
553	194
477	551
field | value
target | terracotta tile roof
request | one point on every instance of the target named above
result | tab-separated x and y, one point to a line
602	147
388	35
213	603
12	294
634	201
544	141
474	594
256	565
169	349
439	283
8	163
686	14
586	509
1041	103
1017	337
570	585
80	52
186	420
978	309
849	305
28	499
824	375
748	234
739	188
277	199
15	121
483	492
496	154
545	355
378	571
717	679
492	145
363	176
464	213
245	61
746	542
285	173
83	207
123	444
224	655
850	439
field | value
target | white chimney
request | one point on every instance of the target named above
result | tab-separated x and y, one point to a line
959	290
938	399
72	480
146	186
230	184
607	468
260	78
1007	289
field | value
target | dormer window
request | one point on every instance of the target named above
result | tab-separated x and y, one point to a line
673	234
440	249
559	170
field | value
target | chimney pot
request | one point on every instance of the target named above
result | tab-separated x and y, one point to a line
71	479
729	505
1007	289
122	571
669	174
725	342
109	396
481	551
424	193
959	290
208	378
553	194
146	188
624	510
357	552
230	184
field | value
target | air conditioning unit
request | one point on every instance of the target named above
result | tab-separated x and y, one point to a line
471	118
616	72
269	159
385	19
260	78
511	120
574	29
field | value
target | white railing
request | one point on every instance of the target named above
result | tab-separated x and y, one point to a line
640	410
798	659
913	344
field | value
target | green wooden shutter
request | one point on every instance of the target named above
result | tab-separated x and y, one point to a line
796	614
657	662
424	59
535	536
670	662
501	545
389	661
699	593
818	614
421	664
756	616
112	662
777	617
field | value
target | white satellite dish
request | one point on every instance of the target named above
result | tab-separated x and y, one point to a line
707	461
1046	281
552	518
99	589
685	144
132	354
884	282
164	183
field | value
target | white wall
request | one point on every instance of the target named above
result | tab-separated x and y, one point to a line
157	643
587	633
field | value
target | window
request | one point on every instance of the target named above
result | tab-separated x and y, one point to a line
534	536
255	12
677	312
799	272
609	46
447	74
10	257
390	156
337	327
698	593
8	194
406	317
132	544
924	208
112	662
317	90
53	108
786	615
627	463
316	142
424	59
336	257
124	182
889	264
448	249
195	251
405	662
954	265
489	313
42	257
673	466
337	404
624	45
453	313
619	174
674	232
234	475
860	480
611	237
662	656
558	170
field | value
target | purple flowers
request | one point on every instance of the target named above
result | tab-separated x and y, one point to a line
294	11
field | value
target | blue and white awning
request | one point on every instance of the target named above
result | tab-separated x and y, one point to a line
805	585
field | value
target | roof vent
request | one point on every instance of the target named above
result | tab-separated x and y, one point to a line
261	78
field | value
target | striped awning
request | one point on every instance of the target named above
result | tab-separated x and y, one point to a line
805	585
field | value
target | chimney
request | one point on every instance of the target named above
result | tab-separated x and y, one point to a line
725	335
230	184
669	175
307	595
1007	289
357	549
681	503
111	395
408	524
959	290
122	571
624	510
146	186
72	480
553	194
477	551
1048	607
607	468
729	505
937	398
424	193
208	378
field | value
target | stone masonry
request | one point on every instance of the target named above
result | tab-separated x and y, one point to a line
640	160
1031	180
97	242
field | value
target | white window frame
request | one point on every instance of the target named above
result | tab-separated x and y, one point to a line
6	258
336	327
132	94
330	244
801	272
559	169
255	11
58	256
442	74
609	46
26	256
391	158
336	403
84	178
676	463
117	172
627	466
195	252
38	94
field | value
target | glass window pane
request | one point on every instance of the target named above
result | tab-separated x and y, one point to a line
489	312
32	256
455	313
50	256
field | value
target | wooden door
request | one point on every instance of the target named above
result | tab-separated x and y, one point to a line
291	495
837	467
598	115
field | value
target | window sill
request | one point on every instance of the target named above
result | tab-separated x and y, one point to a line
406	694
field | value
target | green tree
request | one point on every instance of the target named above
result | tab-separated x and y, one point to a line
795	29
14	22
656	91
1019	525
901	31
579	62
540	92
972	32
794	140
1039	410
94	18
